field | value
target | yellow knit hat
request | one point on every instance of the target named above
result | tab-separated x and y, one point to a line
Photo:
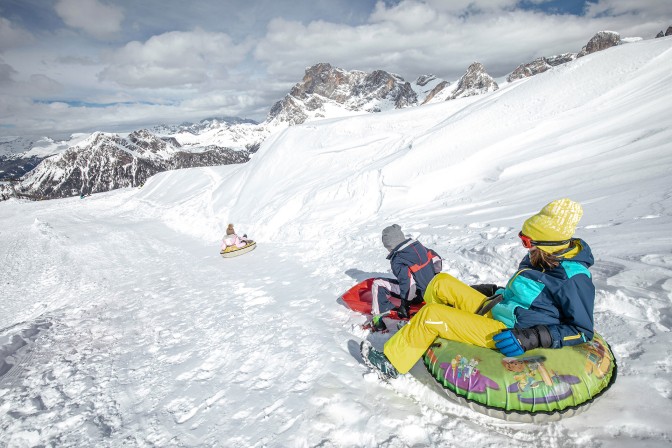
555	222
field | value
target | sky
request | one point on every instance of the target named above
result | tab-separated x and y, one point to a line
122	326
82	65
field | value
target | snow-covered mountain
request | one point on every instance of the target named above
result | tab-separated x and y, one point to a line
324	92
328	92
233	133
429	88
122	326
202	126
19	155
92	163
475	81
600	41
104	162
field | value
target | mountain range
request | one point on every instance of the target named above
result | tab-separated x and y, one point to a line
92	163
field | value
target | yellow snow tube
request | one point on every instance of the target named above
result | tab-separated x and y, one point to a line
233	251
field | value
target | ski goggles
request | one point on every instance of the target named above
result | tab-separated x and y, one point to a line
529	242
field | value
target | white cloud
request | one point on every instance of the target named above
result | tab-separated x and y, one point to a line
43	85
174	59
188	75
12	86
452	7
7	73
61	119
93	17
12	36
644	9
434	36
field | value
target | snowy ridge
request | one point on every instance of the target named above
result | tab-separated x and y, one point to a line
104	161
136	332
324	92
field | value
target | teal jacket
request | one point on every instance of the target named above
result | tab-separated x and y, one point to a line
562	298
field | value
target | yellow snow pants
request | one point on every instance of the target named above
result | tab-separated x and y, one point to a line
449	313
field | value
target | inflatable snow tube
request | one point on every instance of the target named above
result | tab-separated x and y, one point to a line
233	251
359	298
539	386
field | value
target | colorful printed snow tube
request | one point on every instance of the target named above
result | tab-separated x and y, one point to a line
540	385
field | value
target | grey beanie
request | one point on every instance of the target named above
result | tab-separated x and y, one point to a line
392	236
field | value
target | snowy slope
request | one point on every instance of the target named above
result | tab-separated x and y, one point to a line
122	326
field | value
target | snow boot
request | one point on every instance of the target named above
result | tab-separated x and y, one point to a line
377	361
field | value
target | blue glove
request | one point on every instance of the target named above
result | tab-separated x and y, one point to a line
507	343
517	341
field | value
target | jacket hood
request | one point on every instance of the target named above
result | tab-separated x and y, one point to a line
584	254
581	254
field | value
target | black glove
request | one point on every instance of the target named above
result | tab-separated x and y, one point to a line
403	311
517	341
487	289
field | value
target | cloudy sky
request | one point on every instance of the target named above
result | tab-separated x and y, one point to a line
116	65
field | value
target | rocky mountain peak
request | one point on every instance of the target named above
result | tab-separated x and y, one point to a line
323	85
475	81
146	141
423	80
600	41
103	162
666	33
325	80
382	85
539	65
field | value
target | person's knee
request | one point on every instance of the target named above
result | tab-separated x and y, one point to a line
433	311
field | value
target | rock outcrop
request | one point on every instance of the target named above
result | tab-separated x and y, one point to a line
325	87
539	65
475	81
666	33
600	41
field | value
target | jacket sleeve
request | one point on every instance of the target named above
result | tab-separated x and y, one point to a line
575	301
400	271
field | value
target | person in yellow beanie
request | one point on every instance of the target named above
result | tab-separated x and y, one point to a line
547	303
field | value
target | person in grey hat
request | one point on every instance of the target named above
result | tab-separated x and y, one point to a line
413	266
392	237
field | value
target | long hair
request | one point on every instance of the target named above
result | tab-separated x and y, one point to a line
543	260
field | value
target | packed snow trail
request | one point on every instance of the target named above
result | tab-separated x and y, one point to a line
145	336
153	339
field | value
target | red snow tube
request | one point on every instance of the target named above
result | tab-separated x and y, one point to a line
359	298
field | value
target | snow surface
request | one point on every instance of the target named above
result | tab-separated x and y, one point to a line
122	326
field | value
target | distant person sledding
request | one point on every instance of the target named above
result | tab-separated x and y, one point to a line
234	245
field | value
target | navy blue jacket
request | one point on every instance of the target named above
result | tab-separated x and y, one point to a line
414	266
562	298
